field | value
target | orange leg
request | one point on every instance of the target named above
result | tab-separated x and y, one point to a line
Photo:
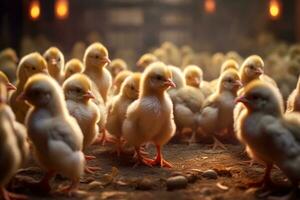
141	159
159	159
91	170
103	138
4	194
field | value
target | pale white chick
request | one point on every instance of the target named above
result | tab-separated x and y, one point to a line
150	117
118	106
55	61
55	135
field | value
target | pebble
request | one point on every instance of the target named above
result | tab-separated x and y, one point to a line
210	174
145	184
176	182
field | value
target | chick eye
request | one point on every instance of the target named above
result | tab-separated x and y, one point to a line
251	67
159	77
131	87
97	56
58	59
33	68
230	80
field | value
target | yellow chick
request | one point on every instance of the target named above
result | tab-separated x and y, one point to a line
229	64
116	66
172	52
95	59
150	117
4	79
119	79
193	75
73	66
8	63
55	135
270	137
11	154
29	65
216	119
145	60
55	61
293	102
118	107
178	79
161	55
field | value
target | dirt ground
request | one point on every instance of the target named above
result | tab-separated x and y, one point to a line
117	179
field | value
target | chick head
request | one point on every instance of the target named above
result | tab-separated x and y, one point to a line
177	76
252	67
4	80
193	75
259	96
55	59
146	60
96	55
130	87
78	88
116	66
73	66
229	64
9	54
119	79
229	81
31	64
41	91
157	78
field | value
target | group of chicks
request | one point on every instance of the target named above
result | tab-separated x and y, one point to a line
56	110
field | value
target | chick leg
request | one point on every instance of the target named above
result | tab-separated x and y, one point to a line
159	159
141	159
4	194
217	144
91	170
103	138
266	179
71	189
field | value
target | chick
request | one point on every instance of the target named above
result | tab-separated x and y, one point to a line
4	79
73	66
293	102
95	59
118	107
216	117
264	125
119	79
150	117
193	75
10	152
229	64
8	63
55	135
55	61
29	65
178	79
145	60
78	94
116	66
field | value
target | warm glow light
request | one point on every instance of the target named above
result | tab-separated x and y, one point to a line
34	10
61	9
274	9
210	6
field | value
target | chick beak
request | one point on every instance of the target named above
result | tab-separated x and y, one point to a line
10	86
89	95
238	83
106	60
170	83
241	99
53	61
45	71
21	97
259	71
197	81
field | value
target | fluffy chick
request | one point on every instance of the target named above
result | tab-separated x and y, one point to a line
145	60
178	79
95	59
293	102
193	75
150	117
229	64
216	117
55	135
264	125
73	66
119	79
29	65
8	63
118	107
55	61
116	66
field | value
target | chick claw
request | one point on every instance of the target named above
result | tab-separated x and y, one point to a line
91	170
159	161
141	159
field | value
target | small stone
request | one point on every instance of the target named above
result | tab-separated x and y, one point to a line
176	182
206	191
210	174
176	173
145	184
95	185
191	177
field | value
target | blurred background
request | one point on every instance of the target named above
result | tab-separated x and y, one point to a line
130	28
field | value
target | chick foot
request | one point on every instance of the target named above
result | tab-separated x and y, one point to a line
159	161
91	170
6	195
69	190
141	159
217	144
103	139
